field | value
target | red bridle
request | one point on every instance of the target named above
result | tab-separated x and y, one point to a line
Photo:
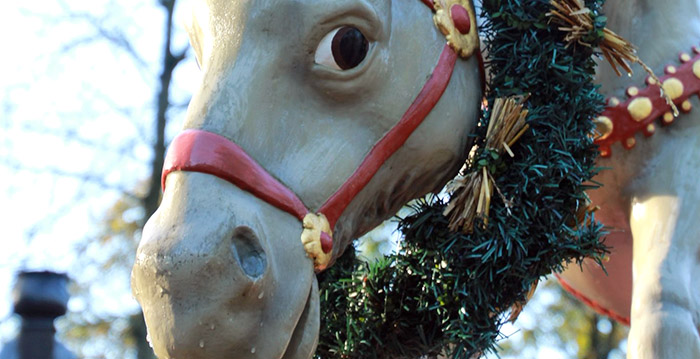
622	120
206	152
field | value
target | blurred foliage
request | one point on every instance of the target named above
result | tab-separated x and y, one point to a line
555	320
107	265
123	219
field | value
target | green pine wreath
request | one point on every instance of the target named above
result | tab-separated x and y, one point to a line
448	293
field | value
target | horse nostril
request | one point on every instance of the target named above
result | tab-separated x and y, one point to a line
247	250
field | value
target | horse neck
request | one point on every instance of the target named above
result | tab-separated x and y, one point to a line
655	184
660	30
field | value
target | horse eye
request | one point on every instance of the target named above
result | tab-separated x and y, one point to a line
342	49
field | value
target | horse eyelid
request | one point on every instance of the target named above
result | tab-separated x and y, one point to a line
362	16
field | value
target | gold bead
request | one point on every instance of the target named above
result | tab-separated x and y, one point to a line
603	127
632	91
670	69
613	101
685	57
651	128
673	88
686	106
668	118
630	142
640	108
696	69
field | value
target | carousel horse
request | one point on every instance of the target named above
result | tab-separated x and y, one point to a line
650	199
314	121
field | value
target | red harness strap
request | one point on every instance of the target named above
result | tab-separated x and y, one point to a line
622	120
598	308
206	152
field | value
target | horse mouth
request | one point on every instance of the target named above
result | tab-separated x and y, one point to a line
302	343
243	335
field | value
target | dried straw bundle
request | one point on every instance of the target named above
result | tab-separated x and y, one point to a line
517	308
473	192
577	20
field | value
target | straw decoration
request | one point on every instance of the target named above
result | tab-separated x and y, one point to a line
473	192
574	18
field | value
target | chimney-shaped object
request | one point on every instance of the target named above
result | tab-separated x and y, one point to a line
39	298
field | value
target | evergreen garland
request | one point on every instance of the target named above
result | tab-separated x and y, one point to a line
448	293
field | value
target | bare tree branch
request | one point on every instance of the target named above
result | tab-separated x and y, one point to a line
113	34
169	62
70	135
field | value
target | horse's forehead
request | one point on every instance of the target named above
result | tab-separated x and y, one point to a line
226	6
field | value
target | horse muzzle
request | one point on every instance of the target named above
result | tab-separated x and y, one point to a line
216	267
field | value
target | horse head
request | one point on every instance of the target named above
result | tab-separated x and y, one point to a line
299	128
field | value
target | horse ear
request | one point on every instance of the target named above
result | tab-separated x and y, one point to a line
193	26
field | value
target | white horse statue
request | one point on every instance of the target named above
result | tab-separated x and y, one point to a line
334	106
651	195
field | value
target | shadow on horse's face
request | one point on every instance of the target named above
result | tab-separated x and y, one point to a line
221	273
